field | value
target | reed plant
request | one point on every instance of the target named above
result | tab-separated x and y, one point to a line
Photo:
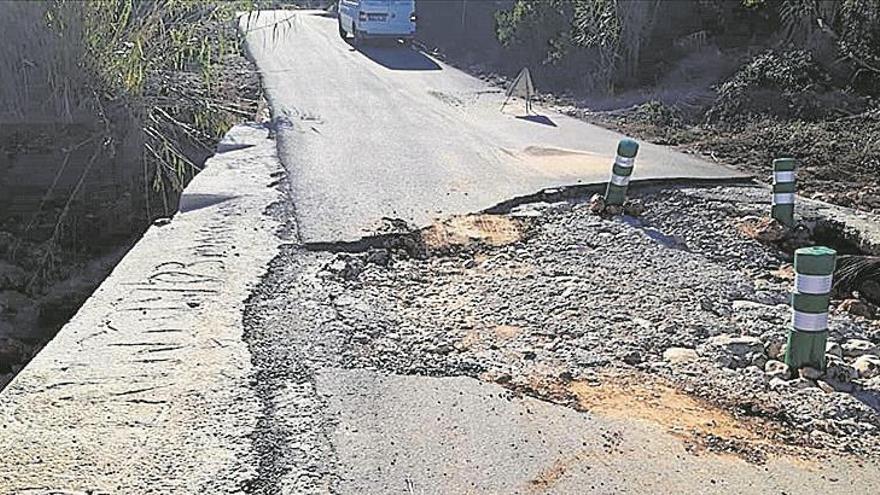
166	71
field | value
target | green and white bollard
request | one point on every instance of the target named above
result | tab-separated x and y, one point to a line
814	269
784	188
627	150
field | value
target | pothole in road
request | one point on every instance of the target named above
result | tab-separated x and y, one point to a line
450	235
569	296
641	398
461	231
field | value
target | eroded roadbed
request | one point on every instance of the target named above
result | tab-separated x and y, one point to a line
555	303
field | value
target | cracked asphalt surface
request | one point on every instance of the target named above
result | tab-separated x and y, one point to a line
534	364
423	369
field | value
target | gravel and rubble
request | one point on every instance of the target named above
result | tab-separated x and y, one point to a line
678	300
839	158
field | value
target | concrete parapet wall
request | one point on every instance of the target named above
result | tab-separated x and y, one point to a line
147	388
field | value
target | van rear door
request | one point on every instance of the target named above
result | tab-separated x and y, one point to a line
376	10
389	16
401	13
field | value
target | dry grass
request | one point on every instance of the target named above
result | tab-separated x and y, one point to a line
168	72
159	61
40	79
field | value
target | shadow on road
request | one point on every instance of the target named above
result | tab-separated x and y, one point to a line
324	13
193	202
869	398
538	119
227	147
399	58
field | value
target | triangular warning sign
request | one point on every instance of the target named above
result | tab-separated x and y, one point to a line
522	87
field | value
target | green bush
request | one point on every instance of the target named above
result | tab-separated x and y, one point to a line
164	73
163	62
783	84
767	85
607	40
580	36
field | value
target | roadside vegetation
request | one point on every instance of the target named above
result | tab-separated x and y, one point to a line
742	82
162	65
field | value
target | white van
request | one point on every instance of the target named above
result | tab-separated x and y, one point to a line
375	19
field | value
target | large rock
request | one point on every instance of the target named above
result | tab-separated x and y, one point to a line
833	349
634	207
809	373
777	369
12	353
739	346
775	348
826	387
597	204
868	366
12	277
838	371
614	210
735	351
763	307
859	347
856	307
679	355
784	272
762	229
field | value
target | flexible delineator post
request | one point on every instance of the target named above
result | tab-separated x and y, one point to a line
784	188
627	150
814	269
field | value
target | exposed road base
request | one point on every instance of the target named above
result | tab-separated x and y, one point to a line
415	358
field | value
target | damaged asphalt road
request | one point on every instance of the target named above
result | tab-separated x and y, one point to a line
529	353
540	350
